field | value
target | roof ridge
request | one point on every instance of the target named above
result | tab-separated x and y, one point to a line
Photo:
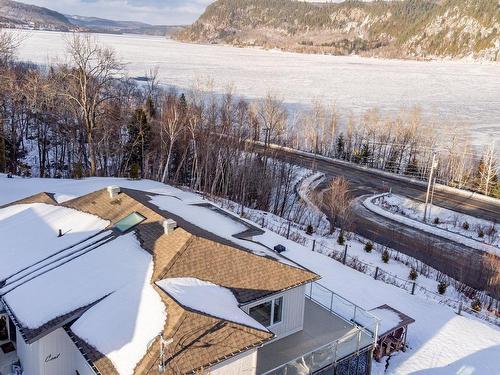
176	257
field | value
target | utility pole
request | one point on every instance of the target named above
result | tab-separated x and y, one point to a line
432	196
431	177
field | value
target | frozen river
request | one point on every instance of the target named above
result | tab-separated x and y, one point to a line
466	95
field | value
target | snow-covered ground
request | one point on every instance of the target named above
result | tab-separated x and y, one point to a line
462	94
461	228
440	342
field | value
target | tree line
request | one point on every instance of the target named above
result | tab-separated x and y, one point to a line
86	118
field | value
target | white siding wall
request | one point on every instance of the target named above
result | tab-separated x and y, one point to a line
54	354
243	364
293	311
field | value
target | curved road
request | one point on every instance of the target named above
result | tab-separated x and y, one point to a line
451	258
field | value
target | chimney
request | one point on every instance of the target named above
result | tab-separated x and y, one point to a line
169	226
280	248
113	191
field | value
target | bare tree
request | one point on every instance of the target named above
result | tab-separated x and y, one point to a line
273	116
89	82
8	46
171	125
337	204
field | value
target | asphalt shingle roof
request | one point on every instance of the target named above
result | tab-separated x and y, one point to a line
199	340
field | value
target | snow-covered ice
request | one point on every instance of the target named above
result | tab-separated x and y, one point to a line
208	298
461	94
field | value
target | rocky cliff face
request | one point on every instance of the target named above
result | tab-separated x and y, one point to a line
419	29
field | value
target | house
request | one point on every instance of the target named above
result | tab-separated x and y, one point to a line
112	283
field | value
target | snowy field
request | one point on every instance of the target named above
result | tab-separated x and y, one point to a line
458	93
440	342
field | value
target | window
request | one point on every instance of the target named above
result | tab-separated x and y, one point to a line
268	313
278	310
129	222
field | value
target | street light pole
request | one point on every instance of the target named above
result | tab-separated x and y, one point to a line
431	177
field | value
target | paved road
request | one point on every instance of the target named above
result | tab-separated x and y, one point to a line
365	181
449	257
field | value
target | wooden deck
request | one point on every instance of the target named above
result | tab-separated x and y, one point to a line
320	328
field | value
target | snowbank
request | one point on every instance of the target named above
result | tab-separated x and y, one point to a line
370	204
208	298
26	224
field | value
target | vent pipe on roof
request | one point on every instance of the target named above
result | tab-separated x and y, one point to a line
169	226
113	191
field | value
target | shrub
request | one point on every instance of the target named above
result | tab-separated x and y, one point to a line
436	220
385	256
309	229
476	305
134	172
480	232
413	274
369	247
442	287
340	238
466	225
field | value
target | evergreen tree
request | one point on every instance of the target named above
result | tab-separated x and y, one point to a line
340	147
139	137
365	154
412	168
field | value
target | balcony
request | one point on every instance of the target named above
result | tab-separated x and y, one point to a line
334	330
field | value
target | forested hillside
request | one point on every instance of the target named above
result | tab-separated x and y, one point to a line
397	29
15	14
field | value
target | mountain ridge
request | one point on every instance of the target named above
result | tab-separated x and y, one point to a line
14	14
20	15
410	29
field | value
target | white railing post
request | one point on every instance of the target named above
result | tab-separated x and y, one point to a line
331	302
359	341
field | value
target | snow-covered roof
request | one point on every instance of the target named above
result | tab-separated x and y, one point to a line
207	298
104	281
120	325
29	233
123	324
390	319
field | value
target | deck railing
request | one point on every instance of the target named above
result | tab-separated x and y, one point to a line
344	308
363	322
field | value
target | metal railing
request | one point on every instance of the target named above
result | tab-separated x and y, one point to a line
344	309
321	357
363	322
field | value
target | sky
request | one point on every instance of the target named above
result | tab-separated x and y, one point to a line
158	12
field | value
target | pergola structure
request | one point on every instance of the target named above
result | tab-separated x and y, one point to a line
392	331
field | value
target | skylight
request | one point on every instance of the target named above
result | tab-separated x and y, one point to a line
129	222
